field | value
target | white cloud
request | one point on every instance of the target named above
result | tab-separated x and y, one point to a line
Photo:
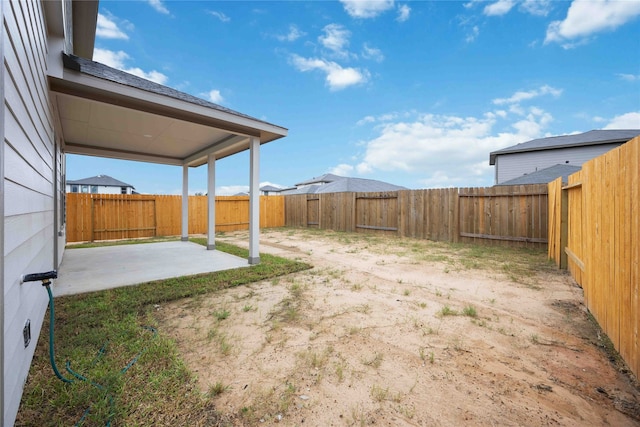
231	190
536	7
629	77
342	169
158	6
404	12
215	96
337	77
366	8
221	16
588	17
117	60
372	53
499	8
625	121
520	96
365	120
336	39
294	34
473	34
108	29
447	150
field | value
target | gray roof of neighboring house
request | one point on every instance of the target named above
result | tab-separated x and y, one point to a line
341	184
103	180
593	137
327	177
102	71
271	188
544	176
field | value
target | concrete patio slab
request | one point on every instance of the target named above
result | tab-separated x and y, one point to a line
94	269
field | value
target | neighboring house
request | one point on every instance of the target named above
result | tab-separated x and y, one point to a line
330	183
538	154
56	100
544	176
270	190
101	184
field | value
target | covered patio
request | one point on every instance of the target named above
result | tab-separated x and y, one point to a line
105	112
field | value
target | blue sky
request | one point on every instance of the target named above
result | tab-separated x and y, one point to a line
416	93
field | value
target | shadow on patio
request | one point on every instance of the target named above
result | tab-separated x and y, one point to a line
95	269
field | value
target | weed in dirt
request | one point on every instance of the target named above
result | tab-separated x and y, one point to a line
340	371
470	311
534	338
407	411
363	308
374	361
221	315
378	393
356	287
431	357
217	389
248	307
423	355
354	330
406	292
447	311
224	344
438	293
422	305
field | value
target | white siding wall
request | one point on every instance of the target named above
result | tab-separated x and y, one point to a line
509	166
29	152
103	189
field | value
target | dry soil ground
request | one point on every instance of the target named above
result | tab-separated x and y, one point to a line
402	332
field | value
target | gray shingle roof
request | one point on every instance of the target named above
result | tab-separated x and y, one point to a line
327	177
544	176
592	137
105	72
358	185
103	180
271	188
340	184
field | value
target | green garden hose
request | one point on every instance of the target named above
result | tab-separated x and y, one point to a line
46	278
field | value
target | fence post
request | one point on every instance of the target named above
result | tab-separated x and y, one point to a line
564	226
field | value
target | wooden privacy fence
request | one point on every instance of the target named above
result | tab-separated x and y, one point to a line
505	215
113	216
594	231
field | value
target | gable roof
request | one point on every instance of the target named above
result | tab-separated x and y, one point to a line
103	180
358	185
544	176
327	177
593	137
271	188
342	184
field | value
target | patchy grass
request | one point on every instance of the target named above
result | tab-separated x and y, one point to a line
101	333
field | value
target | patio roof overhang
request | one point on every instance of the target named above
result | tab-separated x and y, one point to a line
106	112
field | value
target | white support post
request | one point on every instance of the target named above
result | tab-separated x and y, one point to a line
211	202
254	201
185	203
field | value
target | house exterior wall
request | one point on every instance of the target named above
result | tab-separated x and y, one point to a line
514	165
102	189
29	182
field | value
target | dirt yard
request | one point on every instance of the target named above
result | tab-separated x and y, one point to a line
402	332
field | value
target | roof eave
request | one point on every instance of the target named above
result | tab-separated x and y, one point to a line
494	154
85	18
